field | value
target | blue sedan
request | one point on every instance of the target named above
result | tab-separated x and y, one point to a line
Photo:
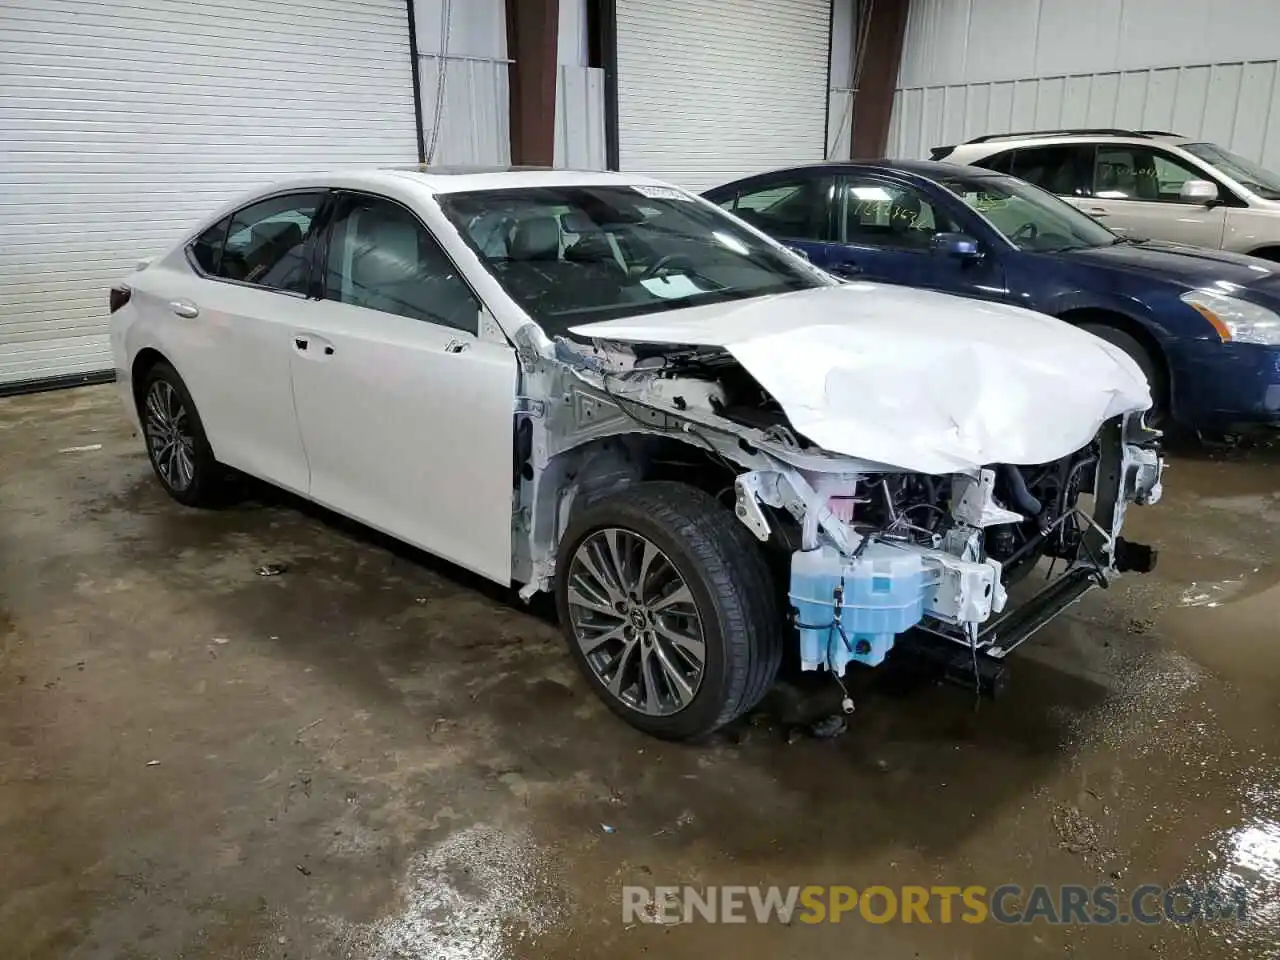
1204	325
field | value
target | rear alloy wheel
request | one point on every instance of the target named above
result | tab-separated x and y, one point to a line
176	442
669	609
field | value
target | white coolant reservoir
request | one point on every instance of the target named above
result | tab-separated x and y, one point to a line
853	609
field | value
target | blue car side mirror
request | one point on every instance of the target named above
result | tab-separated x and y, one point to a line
956	245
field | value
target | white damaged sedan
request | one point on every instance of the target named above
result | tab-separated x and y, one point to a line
604	386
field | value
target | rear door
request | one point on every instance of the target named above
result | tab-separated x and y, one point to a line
406	413
227	325
1136	193
795	209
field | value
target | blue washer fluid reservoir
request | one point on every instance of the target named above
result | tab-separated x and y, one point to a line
882	596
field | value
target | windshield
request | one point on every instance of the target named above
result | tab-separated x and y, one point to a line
1244	172
574	255
1030	217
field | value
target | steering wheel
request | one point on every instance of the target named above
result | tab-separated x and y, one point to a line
1028	231
663	263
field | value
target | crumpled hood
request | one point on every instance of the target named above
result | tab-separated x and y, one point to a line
912	379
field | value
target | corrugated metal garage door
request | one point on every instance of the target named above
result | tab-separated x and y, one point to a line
710	90
122	123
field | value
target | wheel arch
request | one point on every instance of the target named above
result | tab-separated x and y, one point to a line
143	362
1134	328
1268	251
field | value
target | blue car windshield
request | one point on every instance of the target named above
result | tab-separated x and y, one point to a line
1031	218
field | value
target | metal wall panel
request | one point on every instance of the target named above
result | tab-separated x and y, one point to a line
710	91
580	133
1198	67
843	79
122	124
580	119
463	71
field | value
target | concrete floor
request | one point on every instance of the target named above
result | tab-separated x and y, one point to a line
374	756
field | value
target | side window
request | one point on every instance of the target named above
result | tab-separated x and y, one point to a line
1127	172
264	242
381	257
1065	170
206	249
889	215
1000	162
796	210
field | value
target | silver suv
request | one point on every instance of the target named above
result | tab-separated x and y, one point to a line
1143	183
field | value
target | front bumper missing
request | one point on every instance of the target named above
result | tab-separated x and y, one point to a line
963	599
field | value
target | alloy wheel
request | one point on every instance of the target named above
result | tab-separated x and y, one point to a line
166	424
636	622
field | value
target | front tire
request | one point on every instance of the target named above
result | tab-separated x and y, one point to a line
669	609
1149	365
177	446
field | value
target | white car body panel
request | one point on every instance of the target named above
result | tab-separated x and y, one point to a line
1198	226
234	357
1251	227
919	380
406	436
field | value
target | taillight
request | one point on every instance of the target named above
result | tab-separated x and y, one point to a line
119	297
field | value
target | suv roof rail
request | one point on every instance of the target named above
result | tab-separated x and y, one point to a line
1103	131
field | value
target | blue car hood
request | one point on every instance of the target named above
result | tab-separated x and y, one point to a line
1183	265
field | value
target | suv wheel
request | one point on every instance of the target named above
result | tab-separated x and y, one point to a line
669	609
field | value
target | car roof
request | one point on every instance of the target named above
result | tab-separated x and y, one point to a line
444	180
927	169
993	143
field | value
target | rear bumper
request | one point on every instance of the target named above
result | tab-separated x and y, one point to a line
1226	385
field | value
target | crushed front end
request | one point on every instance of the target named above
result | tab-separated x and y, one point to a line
867	551
881	554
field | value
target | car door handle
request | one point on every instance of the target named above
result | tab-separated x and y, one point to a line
184	308
456	346
300	344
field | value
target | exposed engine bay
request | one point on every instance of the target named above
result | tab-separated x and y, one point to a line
874	550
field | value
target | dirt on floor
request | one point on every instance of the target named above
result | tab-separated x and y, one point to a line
264	732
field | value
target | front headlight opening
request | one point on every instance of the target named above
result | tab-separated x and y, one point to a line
1235	319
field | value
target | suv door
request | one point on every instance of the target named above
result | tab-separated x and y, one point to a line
795	210
230	328
1136	189
407	415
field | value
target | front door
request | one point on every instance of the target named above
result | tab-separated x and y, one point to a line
407	416
1136	193
888	229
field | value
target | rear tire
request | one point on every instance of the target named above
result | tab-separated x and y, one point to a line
651	580
1150	366
176	443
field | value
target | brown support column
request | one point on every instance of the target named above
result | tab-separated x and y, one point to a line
878	76
532	30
